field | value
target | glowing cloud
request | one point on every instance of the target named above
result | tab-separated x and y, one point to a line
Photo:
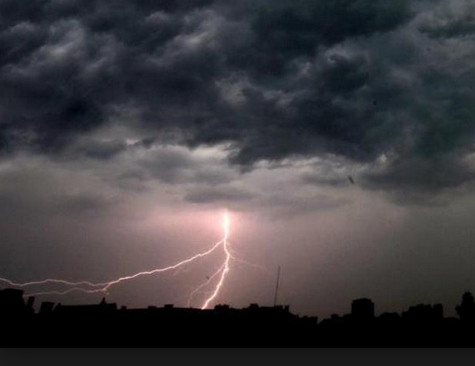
94	288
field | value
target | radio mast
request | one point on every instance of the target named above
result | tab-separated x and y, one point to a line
277	288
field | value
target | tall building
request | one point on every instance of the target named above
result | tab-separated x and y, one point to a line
362	309
12	303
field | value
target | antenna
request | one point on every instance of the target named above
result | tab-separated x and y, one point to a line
277	288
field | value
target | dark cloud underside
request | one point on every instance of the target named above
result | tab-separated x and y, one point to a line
383	83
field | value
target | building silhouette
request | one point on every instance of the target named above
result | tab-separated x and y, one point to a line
362	310
466	310
424	314
12	303
104	324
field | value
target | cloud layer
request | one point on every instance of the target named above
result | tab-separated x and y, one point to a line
385	86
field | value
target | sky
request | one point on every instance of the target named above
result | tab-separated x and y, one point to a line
339	134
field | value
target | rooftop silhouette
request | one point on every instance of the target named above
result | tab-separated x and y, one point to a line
106	324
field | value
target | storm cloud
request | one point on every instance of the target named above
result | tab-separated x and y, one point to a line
339	134
387	86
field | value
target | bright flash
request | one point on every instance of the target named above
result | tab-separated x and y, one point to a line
226	224
93	288
226	269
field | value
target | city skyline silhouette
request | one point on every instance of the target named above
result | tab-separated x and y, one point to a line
107	324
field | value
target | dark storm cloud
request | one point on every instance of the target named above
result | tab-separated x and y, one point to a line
285	30
358	79
425	174
178	166
101	150
455	20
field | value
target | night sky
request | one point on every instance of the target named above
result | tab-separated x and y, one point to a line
339	134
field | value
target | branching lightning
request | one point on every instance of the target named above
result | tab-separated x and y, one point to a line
219	278
225	271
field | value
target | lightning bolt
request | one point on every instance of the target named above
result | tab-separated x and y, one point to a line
204	285
225	271
95	288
